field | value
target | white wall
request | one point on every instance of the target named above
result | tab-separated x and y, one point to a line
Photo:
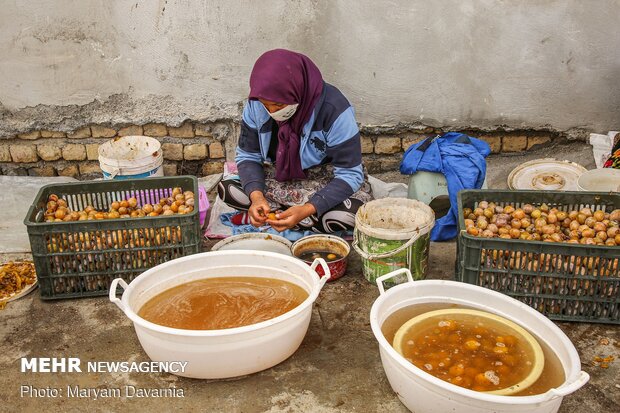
460	63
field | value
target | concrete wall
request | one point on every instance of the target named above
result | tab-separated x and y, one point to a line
453	64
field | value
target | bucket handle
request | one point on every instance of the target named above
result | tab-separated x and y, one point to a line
390	275
372	257
569	388
326	271
112	293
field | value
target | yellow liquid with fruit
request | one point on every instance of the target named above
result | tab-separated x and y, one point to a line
552	376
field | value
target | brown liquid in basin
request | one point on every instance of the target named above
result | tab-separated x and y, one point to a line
224	302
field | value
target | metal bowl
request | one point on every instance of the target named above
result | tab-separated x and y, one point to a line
322	242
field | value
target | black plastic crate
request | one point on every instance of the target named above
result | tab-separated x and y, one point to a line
567	282
81	258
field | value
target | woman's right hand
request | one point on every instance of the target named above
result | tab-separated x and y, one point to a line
259	210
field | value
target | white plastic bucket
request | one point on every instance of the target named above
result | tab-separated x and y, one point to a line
218	354
131	157
421	392
393	233
600	180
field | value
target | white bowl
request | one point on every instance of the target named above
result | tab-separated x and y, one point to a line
600	180
217	354
255	241
466	314
424	393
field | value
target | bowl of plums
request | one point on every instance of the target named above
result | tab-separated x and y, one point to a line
331	248
448	346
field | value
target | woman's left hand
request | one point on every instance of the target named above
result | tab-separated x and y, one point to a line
291	217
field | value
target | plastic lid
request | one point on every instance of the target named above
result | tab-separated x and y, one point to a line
547	174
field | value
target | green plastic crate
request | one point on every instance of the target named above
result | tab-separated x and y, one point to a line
81	258
567	282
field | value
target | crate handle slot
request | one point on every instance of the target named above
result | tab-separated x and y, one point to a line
112	292
391	275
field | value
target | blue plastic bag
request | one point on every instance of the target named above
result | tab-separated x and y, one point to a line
461	159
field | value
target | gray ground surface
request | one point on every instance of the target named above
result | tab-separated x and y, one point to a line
19	192
336	369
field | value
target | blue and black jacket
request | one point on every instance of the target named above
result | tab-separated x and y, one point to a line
330	136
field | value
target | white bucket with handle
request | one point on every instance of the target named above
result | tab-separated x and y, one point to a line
130	157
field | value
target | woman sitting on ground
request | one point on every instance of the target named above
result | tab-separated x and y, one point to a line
299	153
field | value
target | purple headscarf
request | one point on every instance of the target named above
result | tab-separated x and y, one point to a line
283	76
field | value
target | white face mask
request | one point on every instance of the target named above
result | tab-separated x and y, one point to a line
285	113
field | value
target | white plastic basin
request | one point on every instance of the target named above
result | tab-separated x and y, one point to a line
217	354
421	392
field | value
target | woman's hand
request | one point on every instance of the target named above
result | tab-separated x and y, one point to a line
291	217
259	210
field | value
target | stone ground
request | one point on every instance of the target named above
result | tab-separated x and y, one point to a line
336	369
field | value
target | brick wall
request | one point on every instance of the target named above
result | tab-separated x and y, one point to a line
192	148
382	153
200	149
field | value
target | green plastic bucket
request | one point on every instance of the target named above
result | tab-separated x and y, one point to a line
393	233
